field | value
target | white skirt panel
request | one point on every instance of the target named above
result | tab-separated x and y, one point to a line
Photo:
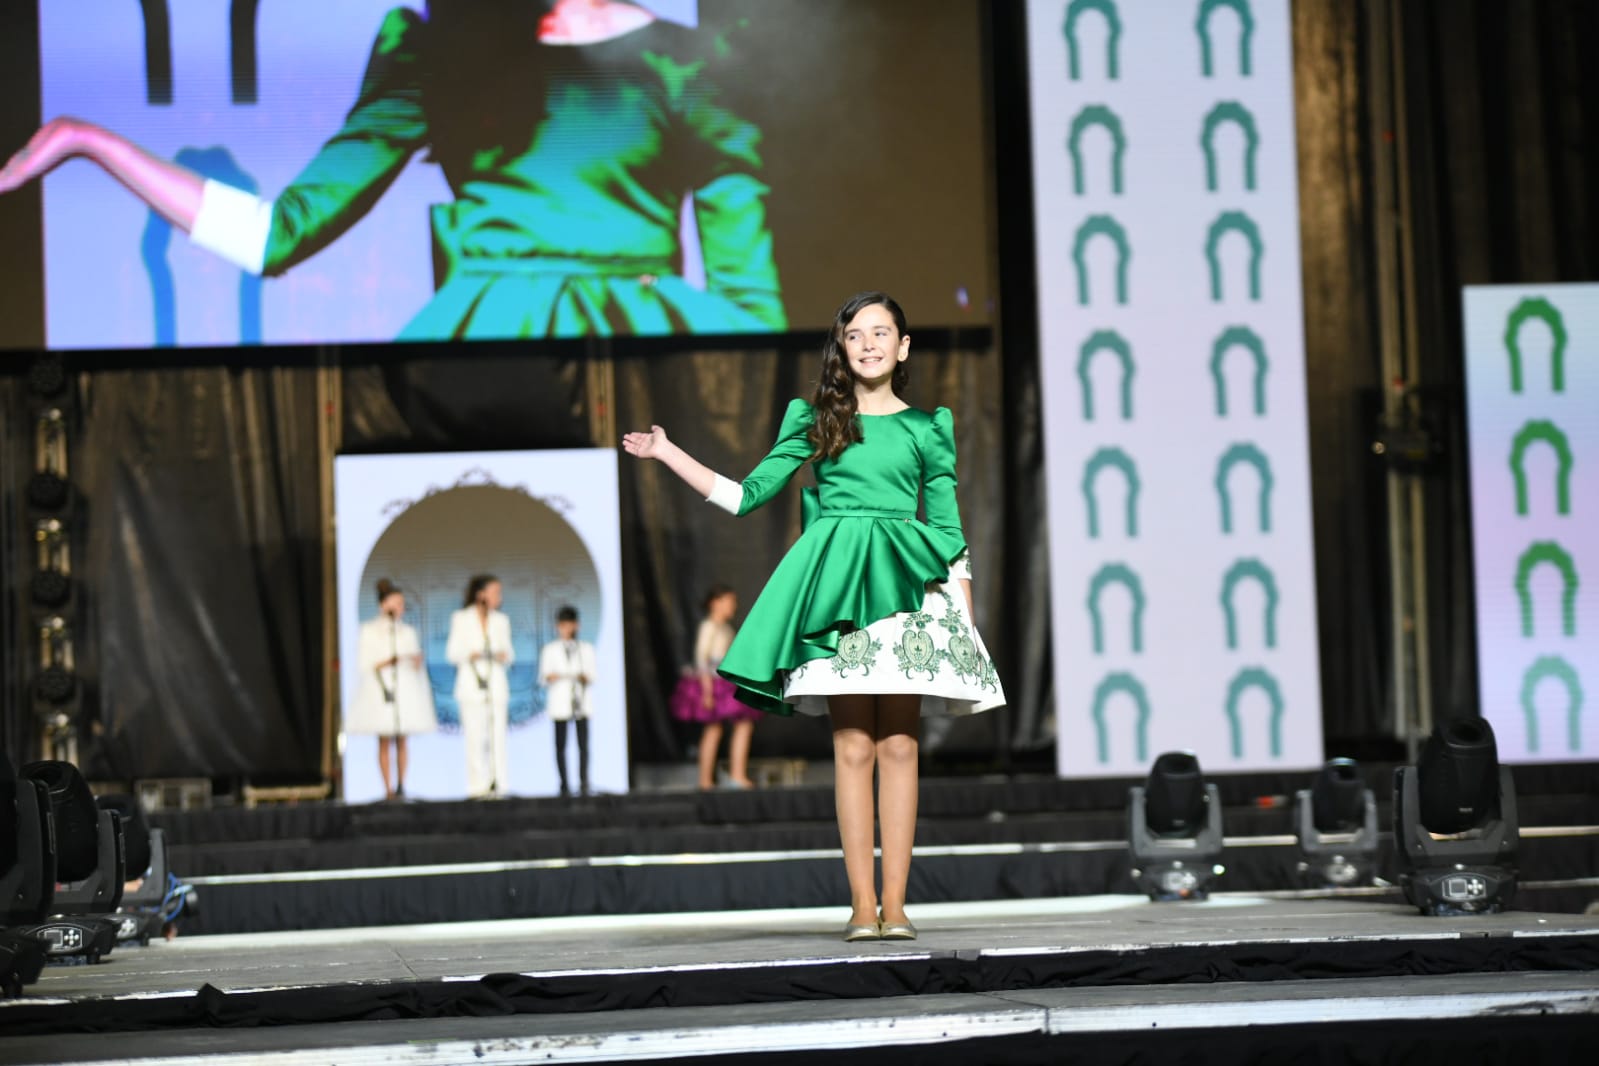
936	653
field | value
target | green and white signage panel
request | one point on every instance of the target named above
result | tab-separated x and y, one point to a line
1172	345
1532	403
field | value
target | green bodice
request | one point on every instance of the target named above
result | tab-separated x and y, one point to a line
864	555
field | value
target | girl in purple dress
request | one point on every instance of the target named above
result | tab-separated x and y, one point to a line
702	696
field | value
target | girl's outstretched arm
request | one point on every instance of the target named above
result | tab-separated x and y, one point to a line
172	191
655	445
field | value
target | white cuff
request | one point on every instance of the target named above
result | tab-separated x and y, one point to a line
961	568
726	494
233	224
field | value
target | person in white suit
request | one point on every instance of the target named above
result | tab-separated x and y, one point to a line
566	666
393	699
480	647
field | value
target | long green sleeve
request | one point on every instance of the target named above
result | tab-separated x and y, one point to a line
938	476
353	170
788	454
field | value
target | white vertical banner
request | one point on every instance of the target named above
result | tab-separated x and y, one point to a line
1171	336
1532	405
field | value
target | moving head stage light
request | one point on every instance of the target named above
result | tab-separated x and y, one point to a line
90	867
1174	830
1455	824
1336	822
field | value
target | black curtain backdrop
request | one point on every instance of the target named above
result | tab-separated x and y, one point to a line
203	575
204	572
1342	371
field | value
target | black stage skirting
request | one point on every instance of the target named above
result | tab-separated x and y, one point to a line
953	972
328	865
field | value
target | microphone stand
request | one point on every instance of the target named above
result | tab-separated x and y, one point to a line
394	693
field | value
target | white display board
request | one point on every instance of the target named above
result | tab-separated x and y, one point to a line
1532	403
546	524
1172	348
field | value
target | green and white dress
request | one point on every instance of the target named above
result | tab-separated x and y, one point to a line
865	600
579	173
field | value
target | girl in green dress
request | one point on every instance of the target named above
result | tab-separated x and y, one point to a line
868	618
600	184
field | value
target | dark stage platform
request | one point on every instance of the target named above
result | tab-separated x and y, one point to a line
1108	977
327	865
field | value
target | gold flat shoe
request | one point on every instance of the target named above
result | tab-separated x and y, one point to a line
853	933
898	930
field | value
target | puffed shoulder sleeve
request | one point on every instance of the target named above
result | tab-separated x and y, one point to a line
938	486
790	452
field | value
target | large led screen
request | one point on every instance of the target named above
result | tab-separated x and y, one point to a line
1532	401
1173	370
310	172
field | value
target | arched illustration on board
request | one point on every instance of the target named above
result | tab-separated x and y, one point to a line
1233	222
1097	115
1238	337
1246	679
433	545
1547	313
1545	667
1120	460
1116	574
1537	554
1550	434
1244	453
1123	684
1246	31
1113	31
1258	571
1101	226
1236	113
1106	340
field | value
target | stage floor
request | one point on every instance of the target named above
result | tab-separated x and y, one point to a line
646	987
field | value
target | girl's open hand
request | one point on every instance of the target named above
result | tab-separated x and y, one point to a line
645	445
57	141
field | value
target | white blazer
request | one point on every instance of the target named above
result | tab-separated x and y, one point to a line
411	710
468	638
566	697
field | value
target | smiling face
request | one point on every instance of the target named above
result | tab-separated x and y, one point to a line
873	345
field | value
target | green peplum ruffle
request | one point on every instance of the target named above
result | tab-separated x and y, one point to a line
864	555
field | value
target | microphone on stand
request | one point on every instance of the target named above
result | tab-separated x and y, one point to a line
394	650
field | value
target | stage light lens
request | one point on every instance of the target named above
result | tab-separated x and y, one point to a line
1338	797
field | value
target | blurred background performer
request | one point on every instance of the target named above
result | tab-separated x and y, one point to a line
702	696
566	665
394	699
480	648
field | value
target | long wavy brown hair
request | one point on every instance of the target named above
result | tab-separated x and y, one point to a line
836	427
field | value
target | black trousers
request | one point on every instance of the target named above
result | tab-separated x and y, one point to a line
582	752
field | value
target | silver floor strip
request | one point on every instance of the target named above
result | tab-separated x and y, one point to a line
797	855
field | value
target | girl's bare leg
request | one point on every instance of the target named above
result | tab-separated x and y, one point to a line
385	766
898	728
854	757
738	753
403	758
710	741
